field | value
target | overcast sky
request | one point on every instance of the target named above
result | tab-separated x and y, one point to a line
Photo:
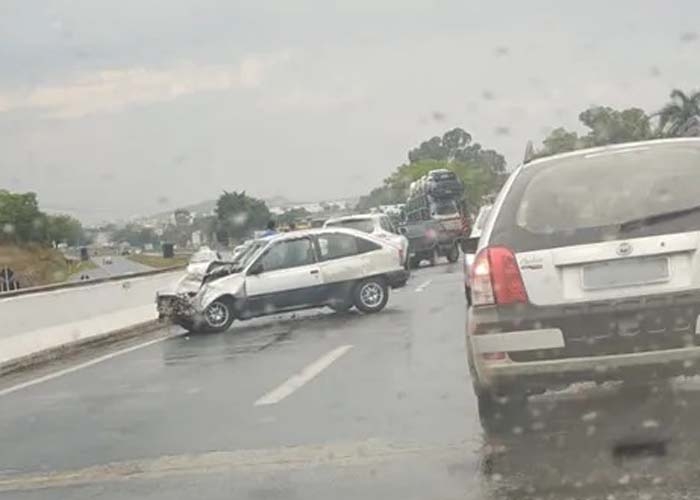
114	108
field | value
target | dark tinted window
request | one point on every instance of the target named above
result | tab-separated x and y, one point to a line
286	254
336	246
590	198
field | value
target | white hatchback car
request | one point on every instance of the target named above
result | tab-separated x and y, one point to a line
588	269
334	267
378	225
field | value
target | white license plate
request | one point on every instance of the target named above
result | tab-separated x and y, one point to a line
626	272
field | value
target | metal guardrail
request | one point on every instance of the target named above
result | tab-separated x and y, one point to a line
78	284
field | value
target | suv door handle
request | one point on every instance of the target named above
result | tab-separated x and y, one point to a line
313	271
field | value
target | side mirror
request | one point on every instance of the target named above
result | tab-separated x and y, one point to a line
402	230
469	245
255	269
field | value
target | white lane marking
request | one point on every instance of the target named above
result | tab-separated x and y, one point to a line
66	371
423	286
298	380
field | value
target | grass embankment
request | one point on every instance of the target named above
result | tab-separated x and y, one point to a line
158	261
34	265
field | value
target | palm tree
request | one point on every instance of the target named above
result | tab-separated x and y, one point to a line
679	114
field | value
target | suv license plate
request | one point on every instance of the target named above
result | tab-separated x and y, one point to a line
616	273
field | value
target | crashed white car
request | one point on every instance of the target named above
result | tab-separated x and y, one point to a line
334	267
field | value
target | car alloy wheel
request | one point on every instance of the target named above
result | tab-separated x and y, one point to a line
217	315
371	294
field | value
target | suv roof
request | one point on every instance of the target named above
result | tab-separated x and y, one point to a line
610	148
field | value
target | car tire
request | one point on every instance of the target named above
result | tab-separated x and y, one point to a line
413	262
453	254
434	257
218	316
371	295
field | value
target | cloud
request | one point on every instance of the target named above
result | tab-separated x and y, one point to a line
114	90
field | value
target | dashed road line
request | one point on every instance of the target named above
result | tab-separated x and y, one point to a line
75	368
298	380
423	286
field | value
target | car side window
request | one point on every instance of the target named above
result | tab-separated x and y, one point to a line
288	254
336	246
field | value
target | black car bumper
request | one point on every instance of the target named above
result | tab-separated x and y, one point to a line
398	279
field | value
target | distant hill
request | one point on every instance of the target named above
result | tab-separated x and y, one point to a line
208	206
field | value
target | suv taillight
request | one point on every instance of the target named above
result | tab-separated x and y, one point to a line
495	278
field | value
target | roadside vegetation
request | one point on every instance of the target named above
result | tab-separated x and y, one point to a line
28	238
158	261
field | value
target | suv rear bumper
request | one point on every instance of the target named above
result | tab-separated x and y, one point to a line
642	367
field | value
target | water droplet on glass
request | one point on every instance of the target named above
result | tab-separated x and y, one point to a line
650	424
590	416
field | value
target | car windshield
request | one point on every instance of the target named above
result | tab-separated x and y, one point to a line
364	225
353	249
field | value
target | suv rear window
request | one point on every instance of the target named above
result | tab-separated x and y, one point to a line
602	196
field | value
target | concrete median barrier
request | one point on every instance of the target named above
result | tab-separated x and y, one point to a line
41	321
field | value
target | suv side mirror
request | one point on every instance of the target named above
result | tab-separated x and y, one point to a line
469	245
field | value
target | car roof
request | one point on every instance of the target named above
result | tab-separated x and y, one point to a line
356	217
612	148
291	235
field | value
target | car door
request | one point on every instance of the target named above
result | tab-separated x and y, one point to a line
285	276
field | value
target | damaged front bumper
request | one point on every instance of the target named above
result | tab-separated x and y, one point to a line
176	306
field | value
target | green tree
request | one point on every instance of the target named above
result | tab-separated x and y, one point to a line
679	114
136	235
65	229
20	218
559	140
295	215
610	126
238	215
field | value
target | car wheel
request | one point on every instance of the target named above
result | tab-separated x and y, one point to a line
218	315
434	257
371	295
453	254
413	262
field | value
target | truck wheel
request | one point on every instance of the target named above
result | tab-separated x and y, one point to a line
218	315
371	295
453	254
434	257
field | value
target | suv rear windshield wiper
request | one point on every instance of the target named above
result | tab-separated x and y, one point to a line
656	218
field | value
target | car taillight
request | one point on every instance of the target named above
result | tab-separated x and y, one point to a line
401	259
496	279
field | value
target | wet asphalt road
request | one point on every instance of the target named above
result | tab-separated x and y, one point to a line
380	407
119	266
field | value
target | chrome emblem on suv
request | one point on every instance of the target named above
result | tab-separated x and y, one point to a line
624	249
